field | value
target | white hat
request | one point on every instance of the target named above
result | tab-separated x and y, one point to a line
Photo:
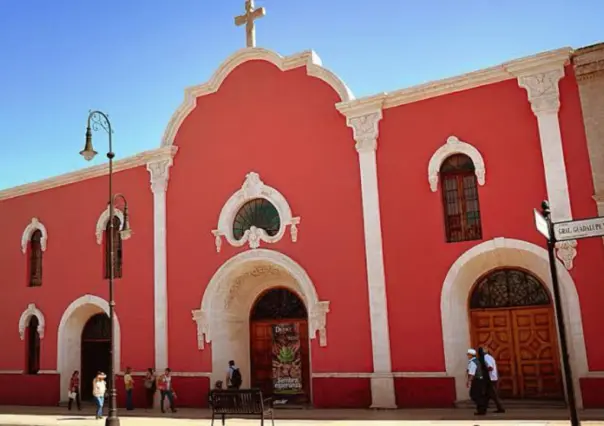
472	352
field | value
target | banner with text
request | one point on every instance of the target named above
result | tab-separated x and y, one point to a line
287	362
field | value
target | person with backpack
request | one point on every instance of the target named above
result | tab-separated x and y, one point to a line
233	378
478	381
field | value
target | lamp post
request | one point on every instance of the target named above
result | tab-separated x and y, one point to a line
99	119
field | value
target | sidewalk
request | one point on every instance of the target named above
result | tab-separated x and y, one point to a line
47	416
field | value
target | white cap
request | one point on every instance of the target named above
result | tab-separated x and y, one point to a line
472	352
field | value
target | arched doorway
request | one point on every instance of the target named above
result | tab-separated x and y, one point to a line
511	314
279	348
96	351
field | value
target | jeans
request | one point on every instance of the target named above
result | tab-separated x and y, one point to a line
100	400
129	404
164	394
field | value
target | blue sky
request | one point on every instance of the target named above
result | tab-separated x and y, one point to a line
133	58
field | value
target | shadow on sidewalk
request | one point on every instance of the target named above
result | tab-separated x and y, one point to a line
320	414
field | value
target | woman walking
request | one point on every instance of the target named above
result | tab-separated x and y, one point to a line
99	388
74	390
150	387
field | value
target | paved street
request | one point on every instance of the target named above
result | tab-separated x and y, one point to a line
46	416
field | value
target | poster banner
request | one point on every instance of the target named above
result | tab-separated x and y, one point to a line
287	362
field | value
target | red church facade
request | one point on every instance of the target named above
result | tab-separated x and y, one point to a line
394	231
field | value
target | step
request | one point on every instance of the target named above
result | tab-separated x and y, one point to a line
519	403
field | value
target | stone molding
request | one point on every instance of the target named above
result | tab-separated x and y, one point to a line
308	59
479	260
542	89
506	71
101	224
215	298
159	171
33	226
31	311
87	173
253	188
451	147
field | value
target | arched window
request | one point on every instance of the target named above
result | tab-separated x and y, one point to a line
260	213
35	259
117	249
33	346
278	303
460	199
508	288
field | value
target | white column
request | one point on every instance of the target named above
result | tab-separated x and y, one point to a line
160	173
365	130
544	96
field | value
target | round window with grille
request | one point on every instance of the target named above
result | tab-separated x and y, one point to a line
260	213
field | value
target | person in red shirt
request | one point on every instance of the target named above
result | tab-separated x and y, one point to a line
74	390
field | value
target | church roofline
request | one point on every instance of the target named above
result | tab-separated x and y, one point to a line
507	70
308	59
137	160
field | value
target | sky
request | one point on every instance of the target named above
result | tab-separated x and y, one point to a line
133	58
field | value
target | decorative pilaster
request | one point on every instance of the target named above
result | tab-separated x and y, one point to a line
160	174
365	131
544	96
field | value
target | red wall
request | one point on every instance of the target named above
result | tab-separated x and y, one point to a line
498	121
73	265
282	125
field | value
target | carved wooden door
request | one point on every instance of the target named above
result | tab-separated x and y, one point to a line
493	329
537	357
261	356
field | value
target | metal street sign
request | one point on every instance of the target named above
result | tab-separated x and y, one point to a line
576	229
541	224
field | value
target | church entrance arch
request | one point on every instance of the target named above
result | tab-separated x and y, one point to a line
70	345
476	263
95	351
227	315
511	314
279	348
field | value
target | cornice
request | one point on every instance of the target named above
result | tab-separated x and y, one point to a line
506	71
589	62
89	173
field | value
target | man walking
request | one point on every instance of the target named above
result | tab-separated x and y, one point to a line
233	377
492	390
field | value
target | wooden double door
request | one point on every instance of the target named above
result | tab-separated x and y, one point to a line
261	350
523	341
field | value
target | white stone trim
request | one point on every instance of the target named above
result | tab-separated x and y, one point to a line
33	226
364	122
396	374
101	224
541	85
254	188
159	172
228	298
83	174
69	336
451	147
474	263
472	80
308	59
32	310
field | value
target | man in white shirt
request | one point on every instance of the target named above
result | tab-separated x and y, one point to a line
494	376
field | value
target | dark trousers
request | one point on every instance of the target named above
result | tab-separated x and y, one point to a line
494	395
150	395
77	399
479	394
129	403
170	396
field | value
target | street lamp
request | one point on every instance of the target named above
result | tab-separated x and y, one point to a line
99	119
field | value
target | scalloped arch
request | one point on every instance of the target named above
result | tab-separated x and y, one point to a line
454	146
101	223
308	59
31	311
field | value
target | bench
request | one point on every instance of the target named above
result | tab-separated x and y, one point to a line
235	402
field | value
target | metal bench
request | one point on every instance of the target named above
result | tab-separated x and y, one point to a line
234	402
